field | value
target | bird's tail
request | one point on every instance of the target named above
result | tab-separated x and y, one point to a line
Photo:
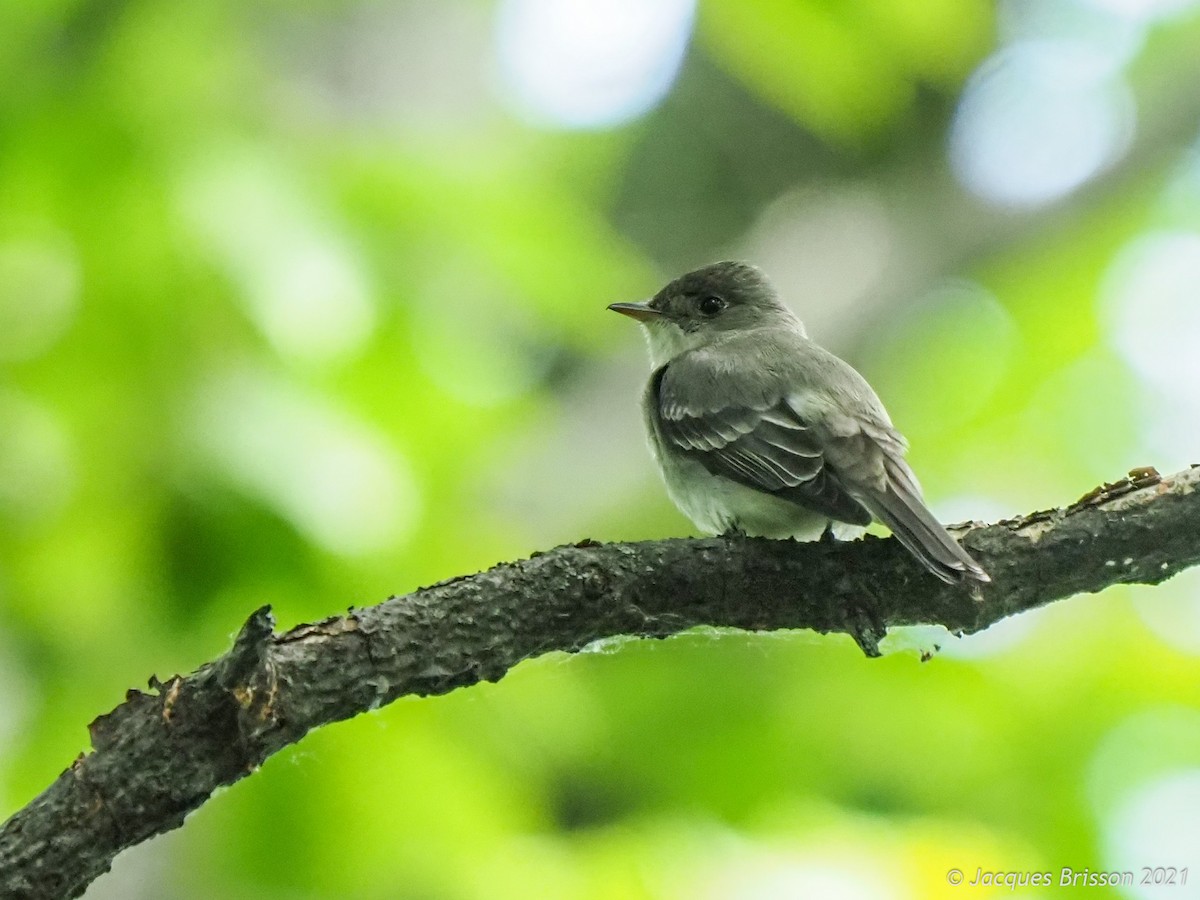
901	509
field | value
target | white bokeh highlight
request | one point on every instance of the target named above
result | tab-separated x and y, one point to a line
828	251
1150	300
1143	11
335	479
1172	611
1115	40
297	274
416	68
590	63
771	880
39	294
38	466
1150	310
743	870
1038	120
20	698
997	639
1157	825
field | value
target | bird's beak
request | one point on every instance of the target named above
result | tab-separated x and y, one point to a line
640	311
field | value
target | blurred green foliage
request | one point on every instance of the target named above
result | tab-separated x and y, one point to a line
297	308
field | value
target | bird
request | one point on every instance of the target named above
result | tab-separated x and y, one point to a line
759	431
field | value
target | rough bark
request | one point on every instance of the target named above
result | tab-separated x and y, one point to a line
160	755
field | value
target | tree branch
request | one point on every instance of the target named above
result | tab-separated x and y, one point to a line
160	755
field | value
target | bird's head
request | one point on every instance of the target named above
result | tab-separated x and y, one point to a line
704	305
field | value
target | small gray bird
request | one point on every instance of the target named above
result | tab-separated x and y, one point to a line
758	430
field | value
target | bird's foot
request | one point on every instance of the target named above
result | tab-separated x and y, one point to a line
827	536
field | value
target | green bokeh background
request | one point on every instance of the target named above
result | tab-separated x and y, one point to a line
299	305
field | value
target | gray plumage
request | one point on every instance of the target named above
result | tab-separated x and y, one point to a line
757	429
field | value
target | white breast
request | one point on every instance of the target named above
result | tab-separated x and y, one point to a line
716	504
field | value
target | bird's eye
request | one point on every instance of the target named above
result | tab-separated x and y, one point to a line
711	305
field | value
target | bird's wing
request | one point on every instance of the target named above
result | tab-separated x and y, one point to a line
868	455
756	439
899	506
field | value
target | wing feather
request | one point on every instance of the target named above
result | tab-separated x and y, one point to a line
766	446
